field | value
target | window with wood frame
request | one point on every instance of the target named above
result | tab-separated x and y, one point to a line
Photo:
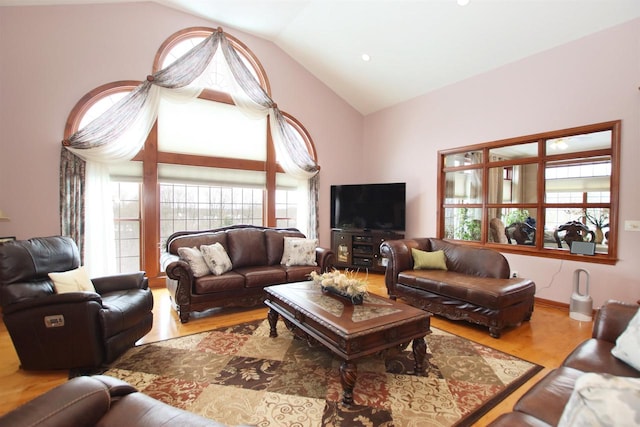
553	194
204	165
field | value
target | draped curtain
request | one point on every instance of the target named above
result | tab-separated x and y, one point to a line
120	133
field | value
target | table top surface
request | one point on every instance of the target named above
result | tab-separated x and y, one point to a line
374	313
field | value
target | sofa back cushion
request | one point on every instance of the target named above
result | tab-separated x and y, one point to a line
481	262
196	240
246	247
274	239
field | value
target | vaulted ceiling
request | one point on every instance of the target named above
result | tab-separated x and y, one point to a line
415	46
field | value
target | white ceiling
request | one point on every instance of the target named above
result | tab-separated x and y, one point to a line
416	46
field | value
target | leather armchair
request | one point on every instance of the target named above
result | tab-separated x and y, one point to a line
69	330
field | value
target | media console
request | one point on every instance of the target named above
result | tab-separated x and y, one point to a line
359	249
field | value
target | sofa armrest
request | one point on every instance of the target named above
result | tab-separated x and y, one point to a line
69	299
612	319
399	258
325	258
81	401
121	282
181	272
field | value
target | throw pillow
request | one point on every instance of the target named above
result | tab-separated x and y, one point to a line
423	260
299	251
216	258
627	346
602	400
196	262
72	281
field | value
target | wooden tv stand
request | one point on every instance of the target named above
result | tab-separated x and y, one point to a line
360	249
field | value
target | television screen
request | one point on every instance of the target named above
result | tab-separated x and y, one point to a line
368	206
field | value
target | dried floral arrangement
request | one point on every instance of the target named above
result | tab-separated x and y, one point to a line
346	283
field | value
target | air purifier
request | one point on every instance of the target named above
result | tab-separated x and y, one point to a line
581	306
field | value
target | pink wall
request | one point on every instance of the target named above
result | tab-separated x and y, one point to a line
594	79
51	56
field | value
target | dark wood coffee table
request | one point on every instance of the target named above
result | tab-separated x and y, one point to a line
350	331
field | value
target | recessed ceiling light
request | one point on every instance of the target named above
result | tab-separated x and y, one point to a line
463	2
365	57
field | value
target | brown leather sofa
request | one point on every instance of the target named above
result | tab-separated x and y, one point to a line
544	403
99	401
475	287
255	253
53	330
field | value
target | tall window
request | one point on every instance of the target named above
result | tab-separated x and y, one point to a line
553	194
205	165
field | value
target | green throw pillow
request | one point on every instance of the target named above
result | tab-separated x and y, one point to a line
423	260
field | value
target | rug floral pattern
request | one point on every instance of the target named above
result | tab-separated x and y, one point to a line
241	376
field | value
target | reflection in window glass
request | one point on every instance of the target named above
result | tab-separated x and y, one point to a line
578	143
540	193
464	186
564	226
463	223
463	159
513	184
511	152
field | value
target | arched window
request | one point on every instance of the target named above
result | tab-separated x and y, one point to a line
205	164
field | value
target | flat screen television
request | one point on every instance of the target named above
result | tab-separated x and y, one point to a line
372	207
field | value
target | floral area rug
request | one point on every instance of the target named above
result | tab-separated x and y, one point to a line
239	375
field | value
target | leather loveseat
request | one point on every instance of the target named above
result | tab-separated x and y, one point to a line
545	402
255	253
99	401
475	286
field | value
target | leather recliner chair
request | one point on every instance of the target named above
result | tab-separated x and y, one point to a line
68	330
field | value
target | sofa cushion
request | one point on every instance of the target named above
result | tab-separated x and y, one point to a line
486	292
627	346
423	260
246	247
194	258
264	275
299	251
547	398
225	282
603	400
594	355
124	310
216	258
274	239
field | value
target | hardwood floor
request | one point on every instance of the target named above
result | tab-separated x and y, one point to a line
547	339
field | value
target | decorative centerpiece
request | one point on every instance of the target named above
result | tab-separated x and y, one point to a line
346	285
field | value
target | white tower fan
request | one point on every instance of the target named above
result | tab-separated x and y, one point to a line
581	307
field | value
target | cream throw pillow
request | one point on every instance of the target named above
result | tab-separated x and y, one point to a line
299	251
627	346
603	400
423	260
216	258
72	281
196	261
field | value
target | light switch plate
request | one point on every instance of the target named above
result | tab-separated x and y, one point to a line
632	225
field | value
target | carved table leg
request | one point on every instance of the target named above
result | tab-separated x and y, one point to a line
419	353
273	320
348	374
